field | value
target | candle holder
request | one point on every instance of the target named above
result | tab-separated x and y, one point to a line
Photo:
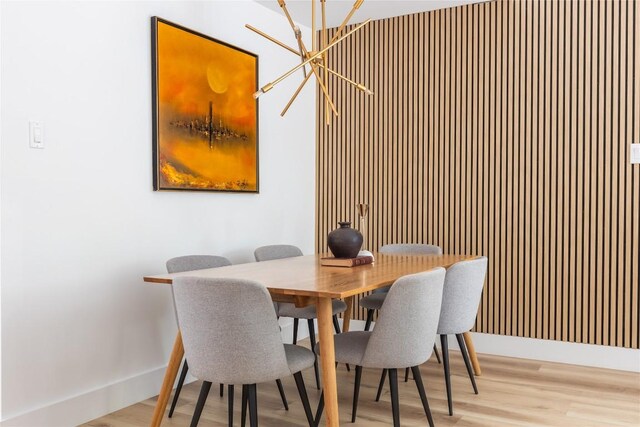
363	210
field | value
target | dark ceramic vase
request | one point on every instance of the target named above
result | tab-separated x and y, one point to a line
345	242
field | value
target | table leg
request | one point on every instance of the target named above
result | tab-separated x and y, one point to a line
327	359
346	316
169	379
472	353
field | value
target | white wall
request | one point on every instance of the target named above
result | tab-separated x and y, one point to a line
80	222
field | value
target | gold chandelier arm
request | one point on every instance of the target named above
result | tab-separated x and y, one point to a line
278	42
358	86
300	48
295	95
269	86
355	7
314	42
324	55
314	69
283	6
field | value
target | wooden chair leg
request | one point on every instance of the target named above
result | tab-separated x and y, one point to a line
382	378
467	362
253	405
447	372
395	401
312	339
302	390
183	375
423	395
295	331
367	324
204	392
230	397
282	395
356	393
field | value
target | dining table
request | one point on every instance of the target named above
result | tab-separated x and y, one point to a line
304	281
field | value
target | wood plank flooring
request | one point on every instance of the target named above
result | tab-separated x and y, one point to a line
513	392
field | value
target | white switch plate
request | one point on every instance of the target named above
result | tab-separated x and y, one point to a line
36	134
635	154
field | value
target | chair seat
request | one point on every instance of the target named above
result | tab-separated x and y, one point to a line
298	358
373	301
287	309
349	346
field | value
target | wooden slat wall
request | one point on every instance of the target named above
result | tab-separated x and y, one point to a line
500	129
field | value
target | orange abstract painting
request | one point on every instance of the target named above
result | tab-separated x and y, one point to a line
205	117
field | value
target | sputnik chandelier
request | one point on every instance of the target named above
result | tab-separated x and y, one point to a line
316	58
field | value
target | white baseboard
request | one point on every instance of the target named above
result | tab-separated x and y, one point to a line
93	404
599	356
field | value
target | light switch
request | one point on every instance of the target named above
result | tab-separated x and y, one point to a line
635	153
36	134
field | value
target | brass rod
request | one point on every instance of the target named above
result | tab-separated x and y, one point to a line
324	55
268	37
302	55
268	86
358	86
295	95
314	45
283	5
355	7
321	83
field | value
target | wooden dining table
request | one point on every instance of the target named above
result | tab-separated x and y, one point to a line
303	281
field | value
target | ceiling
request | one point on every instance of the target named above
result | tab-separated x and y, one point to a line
337	10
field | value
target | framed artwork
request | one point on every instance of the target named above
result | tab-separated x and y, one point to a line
205	119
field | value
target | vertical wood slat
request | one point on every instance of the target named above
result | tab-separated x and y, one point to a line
500	129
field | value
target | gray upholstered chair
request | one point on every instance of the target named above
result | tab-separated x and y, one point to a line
462	292
201	262
375	300
403	337
227	344
272	252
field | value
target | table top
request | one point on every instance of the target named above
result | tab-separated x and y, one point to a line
304	276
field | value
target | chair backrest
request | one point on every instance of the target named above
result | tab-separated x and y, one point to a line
271	252
462	292
224	342
195	262
411	249
407	249
407	323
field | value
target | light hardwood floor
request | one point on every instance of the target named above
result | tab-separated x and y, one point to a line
512	392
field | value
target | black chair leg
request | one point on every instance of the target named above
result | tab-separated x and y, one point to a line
336	324
302	390
435	350
221	390
295	331
395	401
447	372
406	375
245	401
423	395
282	395
382	378
312	339
356	393
204	392
319	410
367	324
467	362
183	375
230	394
253	405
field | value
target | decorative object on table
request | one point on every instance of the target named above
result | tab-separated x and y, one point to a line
346	262
366	253
363	210
205	121
345	242
315	57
